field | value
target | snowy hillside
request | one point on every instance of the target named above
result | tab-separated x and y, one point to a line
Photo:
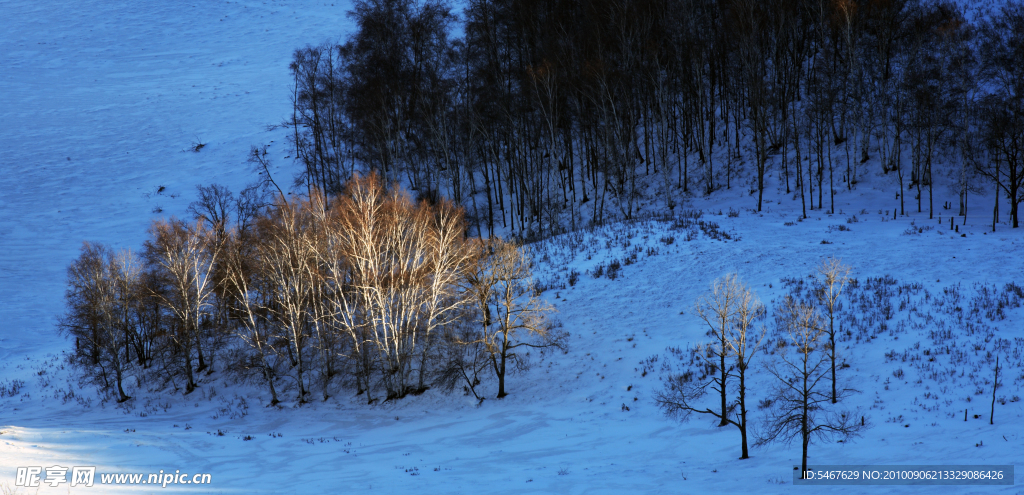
102	102
101	99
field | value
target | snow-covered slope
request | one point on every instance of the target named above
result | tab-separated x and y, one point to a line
99	100
564	428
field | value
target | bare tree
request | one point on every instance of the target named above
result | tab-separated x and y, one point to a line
744	344
185	256
1003	71
796	408
405	262
835	275
285	258
341	303
249	297
213	205
448	259
718	308
502	285
683	391
754	39
102	299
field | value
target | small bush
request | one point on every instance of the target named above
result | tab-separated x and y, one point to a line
196	145
1014	289
613	269
574	276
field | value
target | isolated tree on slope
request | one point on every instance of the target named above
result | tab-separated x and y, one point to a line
717	309
502	286
683	390
835	275
797	406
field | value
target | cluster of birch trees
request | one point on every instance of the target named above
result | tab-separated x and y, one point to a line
543	115
365	290
802	399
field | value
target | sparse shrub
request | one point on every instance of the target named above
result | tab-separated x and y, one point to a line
196	145
917	230
686	220
713	231
11	388
613	269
